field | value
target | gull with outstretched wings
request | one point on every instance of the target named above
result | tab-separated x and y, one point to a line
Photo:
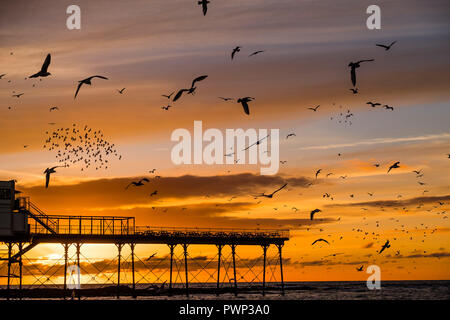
353	66
318	240
386	47
191	90
88	82
244	102
271	194
44	69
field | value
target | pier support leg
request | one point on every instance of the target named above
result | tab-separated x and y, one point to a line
20	270
280	246
9	271
233	253
185	246
78	249
219	256
66	259
171	247
119	250
132	245
264	268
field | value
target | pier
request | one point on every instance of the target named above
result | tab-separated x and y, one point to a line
23	226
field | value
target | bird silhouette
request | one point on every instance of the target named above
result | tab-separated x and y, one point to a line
385	246
137	183
373	104
255	53
353	66
204	4
394	166
354	90
360	268
149	258
312	213
317	172
244	102
191	89
290	135
386	47
226	99
168	95
17	95
2	75
48	172
43	72
53	108
271	194
235	50
251	145
315	108
154	193
121	90
88	82
318	240
388	107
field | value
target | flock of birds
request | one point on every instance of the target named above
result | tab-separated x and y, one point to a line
79	145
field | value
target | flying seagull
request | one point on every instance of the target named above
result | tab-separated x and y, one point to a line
394	166
353	66
154	254
87	81
311	215
314	109
320	240
317	172
256	52
168	95
204	4
154	193
225	99
256	143
47	173
17	95
386	47
191	89
271	194
237	49
388	107
2	75
290	135
244	101
373	104
385	246
43	72
360	268
355	90
121	90
53	108
138	183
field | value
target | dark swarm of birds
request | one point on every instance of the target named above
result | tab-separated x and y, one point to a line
81	145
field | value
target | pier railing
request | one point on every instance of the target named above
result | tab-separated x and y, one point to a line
212	232
93	225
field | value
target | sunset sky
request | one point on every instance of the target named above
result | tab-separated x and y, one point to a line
157	47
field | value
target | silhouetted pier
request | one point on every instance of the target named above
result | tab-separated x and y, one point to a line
24	226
